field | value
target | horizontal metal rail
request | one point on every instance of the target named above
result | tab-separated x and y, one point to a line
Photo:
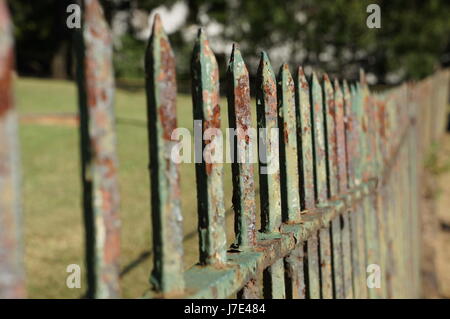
223	281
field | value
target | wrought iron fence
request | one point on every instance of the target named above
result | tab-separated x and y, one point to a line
343	199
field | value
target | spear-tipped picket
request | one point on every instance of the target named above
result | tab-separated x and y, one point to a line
333	183
360	138
98	147
269	170
239	113
288	148
331	143
366	126
307	196
304	140
349	132
268	145
342	188
359	266
332	179
244	201
167	274
320	170
12	283
352	148
340	137
209	170
368	170
321	186
354	144
290	176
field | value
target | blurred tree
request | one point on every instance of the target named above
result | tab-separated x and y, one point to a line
43	44
414	37
331	35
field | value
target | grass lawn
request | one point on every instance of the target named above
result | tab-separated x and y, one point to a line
52	194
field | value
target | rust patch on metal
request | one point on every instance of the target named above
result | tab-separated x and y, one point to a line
341	146
211	211
101	191
267	113
305	140
7	57
167	275
244	200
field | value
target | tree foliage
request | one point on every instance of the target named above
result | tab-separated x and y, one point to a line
331	35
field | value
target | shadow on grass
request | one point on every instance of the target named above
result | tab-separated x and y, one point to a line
147	254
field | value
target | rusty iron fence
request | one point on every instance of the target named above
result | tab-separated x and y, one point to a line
11	264
342	204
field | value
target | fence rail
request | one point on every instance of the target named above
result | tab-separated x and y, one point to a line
341	200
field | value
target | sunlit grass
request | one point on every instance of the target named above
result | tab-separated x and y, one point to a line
52	190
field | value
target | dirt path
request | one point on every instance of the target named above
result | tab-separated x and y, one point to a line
62	119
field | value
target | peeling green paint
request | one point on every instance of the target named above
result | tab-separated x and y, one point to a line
239	113
305	139
210	198
266	108
320	139
332	126
331	141
342	103
290	192
167	274
98	152
318	123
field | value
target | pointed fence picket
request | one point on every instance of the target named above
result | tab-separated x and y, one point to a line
338	170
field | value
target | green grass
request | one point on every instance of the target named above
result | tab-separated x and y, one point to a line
52	190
